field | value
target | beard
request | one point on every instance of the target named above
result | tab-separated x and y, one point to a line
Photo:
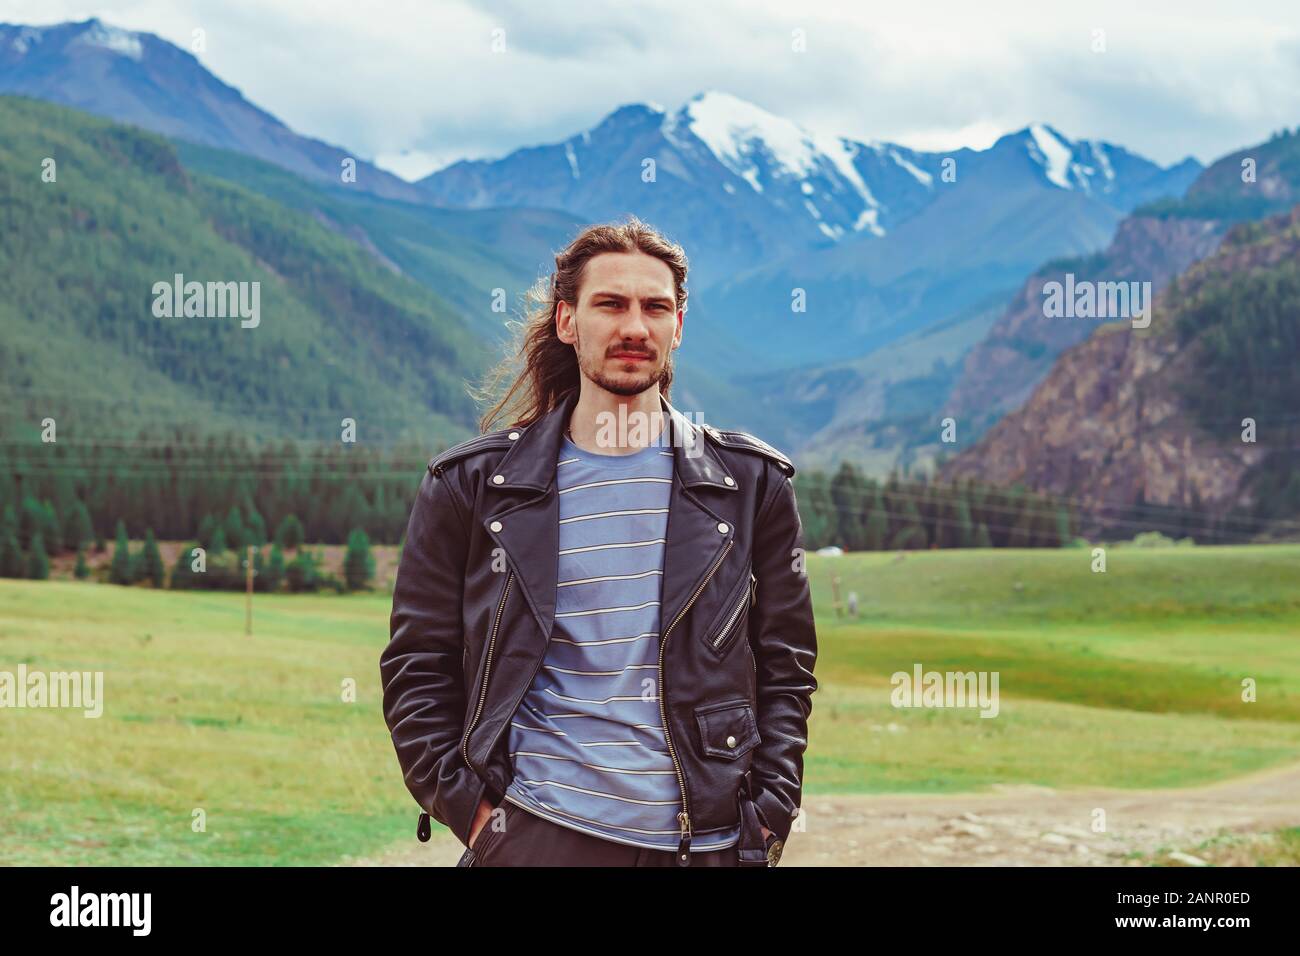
624	385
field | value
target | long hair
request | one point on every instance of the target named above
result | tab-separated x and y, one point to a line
550	366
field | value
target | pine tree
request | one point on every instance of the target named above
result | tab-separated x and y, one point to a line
206	528
256	528
51	529
82	570
152	568
218	542
273	576
119	571
877	529
1022	529
358	564
12	564
815	511
236	534
965	532
79	530
847	494
183	575
38	564
1063	533
289	535
911	533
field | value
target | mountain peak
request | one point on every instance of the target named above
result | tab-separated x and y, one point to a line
96	33
1053	152
730	127
92	32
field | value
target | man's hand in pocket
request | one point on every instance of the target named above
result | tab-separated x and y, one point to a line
480	818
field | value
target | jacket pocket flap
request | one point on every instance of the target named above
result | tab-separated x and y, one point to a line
727	729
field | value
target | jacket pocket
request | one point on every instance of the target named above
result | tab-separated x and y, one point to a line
488	836
732	622
727	729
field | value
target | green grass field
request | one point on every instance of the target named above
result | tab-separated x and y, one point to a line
1132	678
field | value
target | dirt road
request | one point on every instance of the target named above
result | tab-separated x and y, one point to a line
1012	826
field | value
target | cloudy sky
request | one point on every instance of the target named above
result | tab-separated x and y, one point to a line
418	84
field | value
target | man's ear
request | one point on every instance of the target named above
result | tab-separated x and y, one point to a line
560	306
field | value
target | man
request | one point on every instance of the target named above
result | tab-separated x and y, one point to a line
602	638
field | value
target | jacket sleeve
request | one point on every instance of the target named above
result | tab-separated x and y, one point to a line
784	640
420	667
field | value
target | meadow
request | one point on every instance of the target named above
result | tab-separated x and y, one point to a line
1131	678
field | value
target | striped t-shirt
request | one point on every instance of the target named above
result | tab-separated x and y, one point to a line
587	742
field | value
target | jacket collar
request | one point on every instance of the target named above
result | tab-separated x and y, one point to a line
530	462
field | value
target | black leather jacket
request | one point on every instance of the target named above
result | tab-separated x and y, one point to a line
474	607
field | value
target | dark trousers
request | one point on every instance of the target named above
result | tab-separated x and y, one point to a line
525	839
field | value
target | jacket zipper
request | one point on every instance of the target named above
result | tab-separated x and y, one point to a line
684	815
726	628
487	668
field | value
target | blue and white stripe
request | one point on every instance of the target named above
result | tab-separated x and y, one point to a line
587	742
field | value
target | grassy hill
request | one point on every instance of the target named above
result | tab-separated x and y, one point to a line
1128	679
341	335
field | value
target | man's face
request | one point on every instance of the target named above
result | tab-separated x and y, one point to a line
625	324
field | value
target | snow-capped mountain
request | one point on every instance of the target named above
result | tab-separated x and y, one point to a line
741	185
139	78
1102	170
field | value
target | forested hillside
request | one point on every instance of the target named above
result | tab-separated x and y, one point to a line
94	215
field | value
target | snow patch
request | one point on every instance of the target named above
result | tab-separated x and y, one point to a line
572	158
867	219
27	38
731	128
119	41
924	178
841	152
1054	155
1099	150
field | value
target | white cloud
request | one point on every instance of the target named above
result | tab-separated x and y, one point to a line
405	78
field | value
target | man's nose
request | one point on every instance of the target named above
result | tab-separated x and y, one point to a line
634	326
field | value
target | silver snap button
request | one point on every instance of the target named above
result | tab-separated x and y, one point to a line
497	479
729	480
495	526
731	742
514	435
722	527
